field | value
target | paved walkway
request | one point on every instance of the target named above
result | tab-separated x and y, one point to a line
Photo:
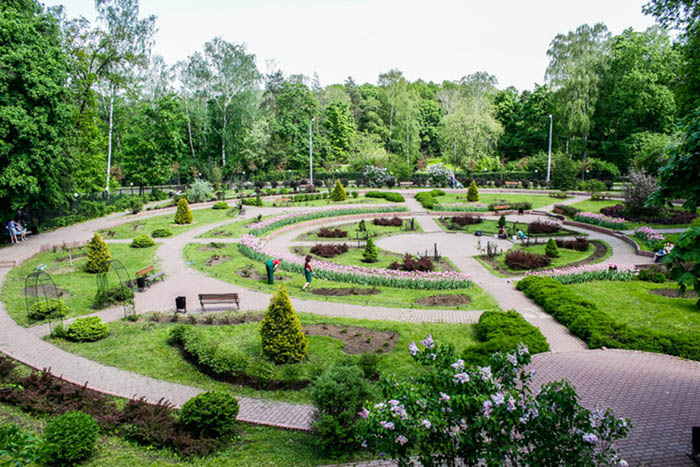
659	393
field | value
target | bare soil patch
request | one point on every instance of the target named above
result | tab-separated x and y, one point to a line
674	293
356	340
219	319
38	292
211	247
344	291
445	300
216	260
249	272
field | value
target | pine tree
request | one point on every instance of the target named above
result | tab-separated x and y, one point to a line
370	254
280	331
362	227
473	193
550	249
502	221
338	193
98	255
183	214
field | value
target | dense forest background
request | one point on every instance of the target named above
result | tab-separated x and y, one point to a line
86	107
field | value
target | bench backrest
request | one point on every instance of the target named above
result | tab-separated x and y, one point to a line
500	208
218	297
146	270
512	183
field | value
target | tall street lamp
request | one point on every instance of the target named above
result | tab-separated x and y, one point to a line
549	152
311	152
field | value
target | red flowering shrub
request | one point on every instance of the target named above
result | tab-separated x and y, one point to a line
521	259
540	227
332	233
409	263
390	222
466	219
329	251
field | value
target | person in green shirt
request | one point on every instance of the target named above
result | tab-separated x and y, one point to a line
271	265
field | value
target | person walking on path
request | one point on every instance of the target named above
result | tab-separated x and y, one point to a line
308	272
271	265
12	231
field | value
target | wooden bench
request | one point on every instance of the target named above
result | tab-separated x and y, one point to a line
146	273
219	298
501	208
513	184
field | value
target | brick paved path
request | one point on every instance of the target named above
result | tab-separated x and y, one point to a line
659	393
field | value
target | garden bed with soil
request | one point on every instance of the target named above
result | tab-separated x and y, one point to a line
249	272
674	293
216	259
344	291
356	340
445	300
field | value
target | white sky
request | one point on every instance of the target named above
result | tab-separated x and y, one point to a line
433	40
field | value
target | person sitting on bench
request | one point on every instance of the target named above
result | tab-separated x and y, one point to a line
502	233
521	235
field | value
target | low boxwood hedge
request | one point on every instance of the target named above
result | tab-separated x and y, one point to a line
89	329
142	241
387	195
598	329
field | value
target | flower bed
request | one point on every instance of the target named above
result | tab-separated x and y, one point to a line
593	218
587	273
276	222
459	208
254	248
649	236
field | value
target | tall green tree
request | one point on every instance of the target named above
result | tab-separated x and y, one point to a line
340	129
35	117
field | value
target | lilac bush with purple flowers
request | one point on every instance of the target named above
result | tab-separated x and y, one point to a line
617	223
486	415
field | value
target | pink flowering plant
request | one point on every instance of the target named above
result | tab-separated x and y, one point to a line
255	249
588	273
488	415
617	223
650	237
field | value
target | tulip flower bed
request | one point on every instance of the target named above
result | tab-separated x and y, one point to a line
459	208
601	220
649	236
276	222
254	248
588	273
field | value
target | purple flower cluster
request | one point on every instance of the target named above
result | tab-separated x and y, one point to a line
589	272
601	219
649	235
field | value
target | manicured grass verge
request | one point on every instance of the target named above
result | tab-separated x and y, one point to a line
601	319
160	360
595	206
537	201
80	286
490	227
324	202
202	217
353	229
388	297
353	257
234	230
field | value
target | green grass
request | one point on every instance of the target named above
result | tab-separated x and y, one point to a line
537	201
595	206
631	303
166	221
352	228
328	202
160	360
490	228
233	230
389	296
353	257
565	257
81	286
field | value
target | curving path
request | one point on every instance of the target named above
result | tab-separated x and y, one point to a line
657	392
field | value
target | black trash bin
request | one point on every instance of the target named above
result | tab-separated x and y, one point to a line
181	304
141	282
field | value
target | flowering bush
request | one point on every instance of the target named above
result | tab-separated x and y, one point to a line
388	221
542	227
486	415
649	236
438	175
254	248
378	176
276	222
325	232
521	259
329	250
602	220
466	219
587	273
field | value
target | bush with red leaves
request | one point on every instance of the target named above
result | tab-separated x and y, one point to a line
579	244
542	227
521	259
466	219
613	211
388	221
332	233
409	263
329	251
673	217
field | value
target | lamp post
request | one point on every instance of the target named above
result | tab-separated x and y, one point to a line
311	152
549	152
131	184
75	197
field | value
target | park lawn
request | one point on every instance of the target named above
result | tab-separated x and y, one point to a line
595	206
197	255
80	285
631	303
565	257
328	202
536	200
376	231
158	359
166	221
233	230
353	257
490	227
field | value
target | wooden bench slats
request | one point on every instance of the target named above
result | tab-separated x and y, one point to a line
219	298
145	271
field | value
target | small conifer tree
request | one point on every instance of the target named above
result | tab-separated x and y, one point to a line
338	193
98	255
370	254
362	227
550	249
502	221
280	331
183	214
473	193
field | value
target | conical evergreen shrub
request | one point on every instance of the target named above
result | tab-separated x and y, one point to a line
280	331
183	214
473	193
370	254
502	221
550	249
98	255
338	193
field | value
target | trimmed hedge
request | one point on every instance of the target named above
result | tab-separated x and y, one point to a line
566	210
387	195
503	332
53	307
162	233
585	320
89	329
220	205
425	198
210	415
70	438
142	241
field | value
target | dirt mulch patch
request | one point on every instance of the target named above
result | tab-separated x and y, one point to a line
674	293
211	247
445	300
38	292
216	319
221	233
356	340
75	256
216	260
345	291
249	272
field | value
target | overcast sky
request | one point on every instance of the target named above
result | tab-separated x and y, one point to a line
434	40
